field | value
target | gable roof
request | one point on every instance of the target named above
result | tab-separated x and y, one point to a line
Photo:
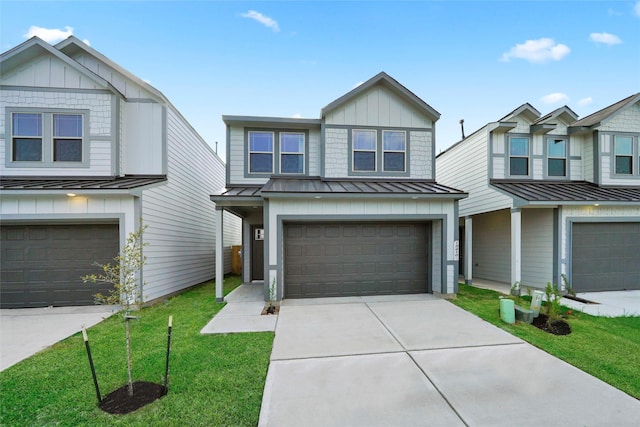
597	118
35	47
527	109
564	112
72	45
389	82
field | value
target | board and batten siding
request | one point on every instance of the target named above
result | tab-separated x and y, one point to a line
492	246
364	210
142	125
101	140
537	247
464	167
49	71
180	215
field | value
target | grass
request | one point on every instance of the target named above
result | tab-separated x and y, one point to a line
606	347
215	380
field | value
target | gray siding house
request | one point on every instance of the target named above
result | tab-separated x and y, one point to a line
343	205
551	196
86	150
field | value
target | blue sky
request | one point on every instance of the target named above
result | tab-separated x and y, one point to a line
471	60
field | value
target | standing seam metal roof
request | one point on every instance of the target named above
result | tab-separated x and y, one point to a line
79	183
569	191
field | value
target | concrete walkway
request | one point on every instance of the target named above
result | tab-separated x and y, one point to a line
26	331
419	360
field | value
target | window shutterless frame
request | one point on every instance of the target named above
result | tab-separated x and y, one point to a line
623	146
364	150
556	157
292	147
519	154
261	150
47	138
394	151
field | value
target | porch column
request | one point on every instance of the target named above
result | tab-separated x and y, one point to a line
219	256
516	245
468	250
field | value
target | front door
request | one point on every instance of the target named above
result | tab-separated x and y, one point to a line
257	252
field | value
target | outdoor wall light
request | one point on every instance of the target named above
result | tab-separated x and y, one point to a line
71	194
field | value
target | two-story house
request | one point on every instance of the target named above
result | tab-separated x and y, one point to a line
87	149
343	205
551	197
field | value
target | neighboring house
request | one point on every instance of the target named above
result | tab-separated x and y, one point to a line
87	149
343	205
551	197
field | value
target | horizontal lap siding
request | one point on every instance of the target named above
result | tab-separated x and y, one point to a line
180	216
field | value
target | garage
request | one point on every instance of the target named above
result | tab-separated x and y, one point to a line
605	256
355	259
42	264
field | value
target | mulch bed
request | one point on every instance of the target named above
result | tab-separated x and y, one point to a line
558	327
119	401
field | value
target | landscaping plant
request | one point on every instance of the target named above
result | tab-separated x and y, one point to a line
123	274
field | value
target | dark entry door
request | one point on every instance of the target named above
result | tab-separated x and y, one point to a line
257	252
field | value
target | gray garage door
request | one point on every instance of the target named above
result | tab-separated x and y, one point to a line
605	256
355	259
42	264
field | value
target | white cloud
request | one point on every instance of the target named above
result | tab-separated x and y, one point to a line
541	50
613	12
585	101
50	35
357	84
555	98
86	41
263	19
297	116
636	8
605	38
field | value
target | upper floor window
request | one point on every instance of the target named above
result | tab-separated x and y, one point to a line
47	139
364	150
556	157
260	152
394	151
519	156
291	152
26	137
623	151
67	138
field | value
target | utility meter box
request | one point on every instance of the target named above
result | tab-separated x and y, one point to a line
536	302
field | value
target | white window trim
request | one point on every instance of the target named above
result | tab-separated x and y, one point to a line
635	155
404	152
528	156
354	150
272	152
302	153
550	157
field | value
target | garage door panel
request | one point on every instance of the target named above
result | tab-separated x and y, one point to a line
355	259
605	256
43	267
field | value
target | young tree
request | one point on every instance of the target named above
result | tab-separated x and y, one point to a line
123	274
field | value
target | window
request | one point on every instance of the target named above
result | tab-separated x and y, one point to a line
364	150
519	156
261	152
291	152
27	137
623	149
67	138
394	151
556	157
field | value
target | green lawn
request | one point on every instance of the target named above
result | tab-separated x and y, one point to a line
215	380
606	347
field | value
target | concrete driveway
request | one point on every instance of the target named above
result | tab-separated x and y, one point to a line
26	331
413	361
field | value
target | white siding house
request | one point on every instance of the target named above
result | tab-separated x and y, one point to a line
551	198
87	150
346	204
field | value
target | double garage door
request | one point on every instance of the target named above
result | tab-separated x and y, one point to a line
42	264
605	256
355	259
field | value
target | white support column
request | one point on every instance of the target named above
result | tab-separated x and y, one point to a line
516	246
219	256
468	250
